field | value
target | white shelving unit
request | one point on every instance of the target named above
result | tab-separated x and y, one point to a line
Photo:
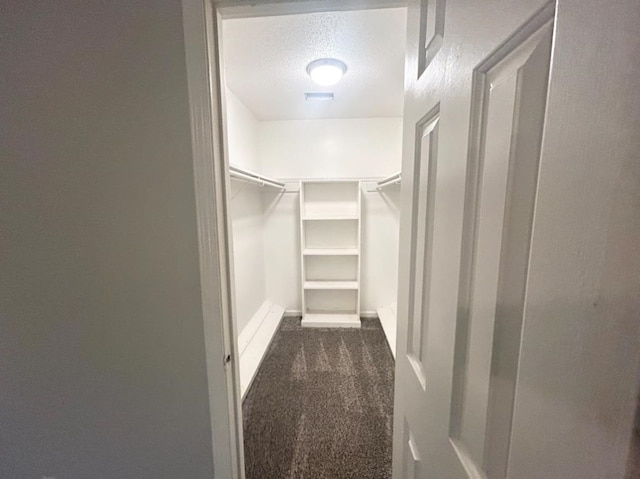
330	245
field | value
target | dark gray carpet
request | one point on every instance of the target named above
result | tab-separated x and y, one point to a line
321	405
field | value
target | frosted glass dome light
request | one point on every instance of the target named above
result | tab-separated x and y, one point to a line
326	71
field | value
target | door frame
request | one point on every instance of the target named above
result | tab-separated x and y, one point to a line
201	23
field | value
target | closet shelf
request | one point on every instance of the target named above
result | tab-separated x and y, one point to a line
331	285
331	252
330	218
331	320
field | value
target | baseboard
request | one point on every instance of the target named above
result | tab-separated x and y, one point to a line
291	313
254	341
389	322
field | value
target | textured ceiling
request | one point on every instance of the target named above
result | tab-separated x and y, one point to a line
265	60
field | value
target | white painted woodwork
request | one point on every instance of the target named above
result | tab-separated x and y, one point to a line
329	216
331	267
339	146
388	320
325	300
249	330
330	252
331	285
518	259
343	148
330	200
331	320
330	233
330	220
254	340
206	101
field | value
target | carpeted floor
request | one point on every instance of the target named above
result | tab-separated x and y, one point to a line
321	405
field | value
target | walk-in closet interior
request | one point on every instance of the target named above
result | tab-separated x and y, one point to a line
314	171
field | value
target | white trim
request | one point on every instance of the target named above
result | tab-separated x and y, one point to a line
203	78
389	320
330	285
254	341
330	320
327	316
292	313
330	252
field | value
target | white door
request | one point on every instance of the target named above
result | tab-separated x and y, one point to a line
517	352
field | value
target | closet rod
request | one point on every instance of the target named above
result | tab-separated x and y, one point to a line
390	180
250	177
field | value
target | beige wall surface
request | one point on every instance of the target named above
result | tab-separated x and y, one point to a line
102	357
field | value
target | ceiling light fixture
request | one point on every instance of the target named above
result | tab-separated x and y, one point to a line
326	71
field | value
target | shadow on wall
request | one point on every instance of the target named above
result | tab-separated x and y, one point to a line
633	463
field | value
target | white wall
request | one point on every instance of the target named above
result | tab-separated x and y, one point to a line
368	147
102	351
246	212
242	133
359	147
380	239
282	249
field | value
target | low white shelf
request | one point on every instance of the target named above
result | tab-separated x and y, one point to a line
330	285
331	218
331	252
331	320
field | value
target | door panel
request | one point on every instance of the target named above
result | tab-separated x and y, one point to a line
518	352
512	94
431	27
472	177
412	464
426	152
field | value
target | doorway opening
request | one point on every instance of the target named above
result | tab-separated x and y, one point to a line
313	106
488	310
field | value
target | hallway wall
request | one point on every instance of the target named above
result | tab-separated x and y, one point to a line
101	329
